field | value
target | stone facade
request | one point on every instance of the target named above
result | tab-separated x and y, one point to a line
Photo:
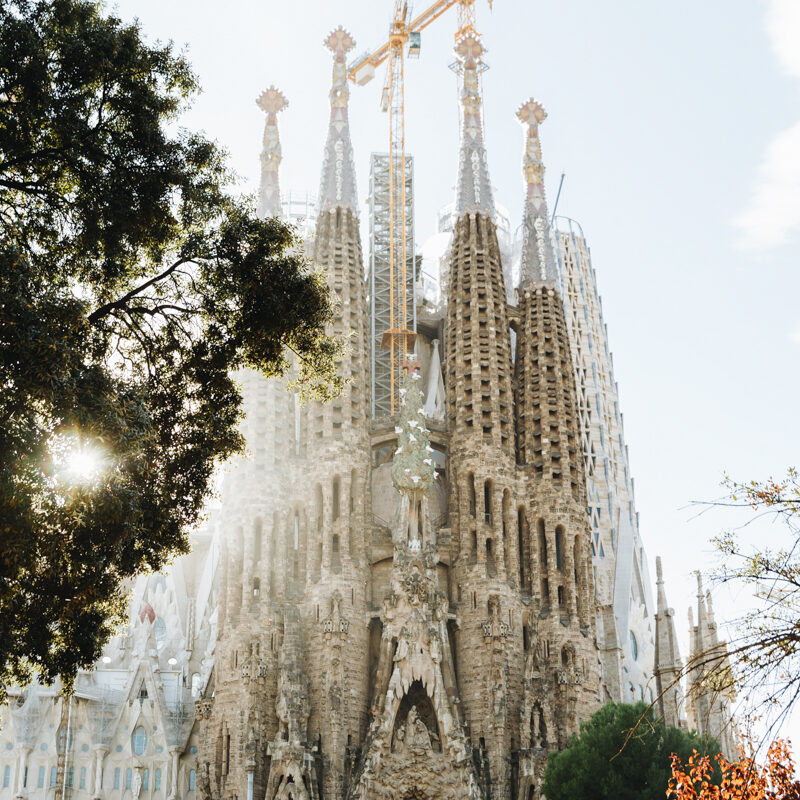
625	628
416	606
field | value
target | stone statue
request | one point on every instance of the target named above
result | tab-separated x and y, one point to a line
399	740
137	782
417	735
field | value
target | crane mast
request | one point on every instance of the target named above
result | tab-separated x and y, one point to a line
399	339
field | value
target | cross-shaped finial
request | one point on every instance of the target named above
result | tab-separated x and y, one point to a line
340	42
469	49
531	113
272	100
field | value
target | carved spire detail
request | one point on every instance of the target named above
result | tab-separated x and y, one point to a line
474	189
538	260
271	101
337	188
412	465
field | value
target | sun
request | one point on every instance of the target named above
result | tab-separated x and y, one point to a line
79	459
84	464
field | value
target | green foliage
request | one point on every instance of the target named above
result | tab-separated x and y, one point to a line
132	285
622	753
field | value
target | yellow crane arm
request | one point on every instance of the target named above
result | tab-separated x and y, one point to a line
379	55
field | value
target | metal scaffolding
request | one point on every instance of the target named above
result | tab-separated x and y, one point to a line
381	295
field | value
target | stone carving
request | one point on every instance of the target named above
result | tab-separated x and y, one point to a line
494	627
417	734
335	624
412	465
338	182
474	189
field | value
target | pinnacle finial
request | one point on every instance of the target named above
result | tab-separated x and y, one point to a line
531	112
474	190
469	50
339	42
538	259
271	101
338	182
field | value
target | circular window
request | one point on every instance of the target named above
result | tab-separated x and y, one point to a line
634	648
139	740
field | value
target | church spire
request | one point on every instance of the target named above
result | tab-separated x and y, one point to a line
337	187
538	260
667	659
474	190
271	101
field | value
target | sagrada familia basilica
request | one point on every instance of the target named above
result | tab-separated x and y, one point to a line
413	605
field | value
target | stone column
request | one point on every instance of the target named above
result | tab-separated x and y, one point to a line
173	775
97	781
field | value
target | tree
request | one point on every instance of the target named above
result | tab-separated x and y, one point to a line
764	646
743	779
132	285
622	752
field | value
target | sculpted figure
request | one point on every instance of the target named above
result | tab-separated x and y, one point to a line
399	740
417	731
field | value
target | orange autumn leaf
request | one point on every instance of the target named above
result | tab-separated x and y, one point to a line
743	779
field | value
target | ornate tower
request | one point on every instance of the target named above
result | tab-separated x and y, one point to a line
483	484
667	660
709	691
333	490
242	719
560	684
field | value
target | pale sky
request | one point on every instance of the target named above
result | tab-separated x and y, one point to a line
678	127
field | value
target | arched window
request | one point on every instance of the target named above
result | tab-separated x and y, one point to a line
560	548
192	779
634	647
542	543
472	499
353	477
139	740
336	561
257	538
318	506
487	502
337	491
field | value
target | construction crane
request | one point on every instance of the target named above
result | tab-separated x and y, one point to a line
398	338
